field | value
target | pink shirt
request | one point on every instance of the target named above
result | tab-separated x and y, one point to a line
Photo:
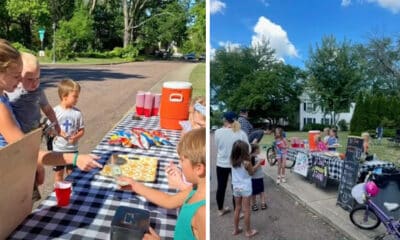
322	147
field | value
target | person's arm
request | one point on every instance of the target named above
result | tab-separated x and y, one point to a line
249	167
8	127
51	115
157	197
74	138
199	223
84	162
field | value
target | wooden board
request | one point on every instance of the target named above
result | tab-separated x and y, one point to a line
18	163
140	168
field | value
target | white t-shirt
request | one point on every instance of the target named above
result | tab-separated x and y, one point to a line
70	121
224	139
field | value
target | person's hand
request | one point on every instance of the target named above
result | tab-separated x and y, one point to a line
126	183
72	139
174	176
40	172
87	162
152	235
63	134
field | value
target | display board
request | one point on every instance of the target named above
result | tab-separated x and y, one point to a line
349	175
319	173
301	166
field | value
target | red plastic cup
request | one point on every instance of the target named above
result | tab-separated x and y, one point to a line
263	162
156	106
140	103
148	104
63	193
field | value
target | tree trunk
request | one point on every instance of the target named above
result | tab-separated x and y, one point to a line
126	23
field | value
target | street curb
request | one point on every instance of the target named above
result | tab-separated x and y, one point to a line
311	209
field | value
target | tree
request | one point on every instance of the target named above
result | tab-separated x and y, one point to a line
197	29
334	76
27	13
382	57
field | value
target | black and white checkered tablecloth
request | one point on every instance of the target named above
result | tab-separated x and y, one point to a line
95	198
335	165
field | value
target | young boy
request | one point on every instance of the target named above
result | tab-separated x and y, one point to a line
191	223
71	123
27	100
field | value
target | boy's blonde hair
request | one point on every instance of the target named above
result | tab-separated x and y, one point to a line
365	134
8	55
30	61
66	86
193	146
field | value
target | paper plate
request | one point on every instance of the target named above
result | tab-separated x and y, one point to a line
358	192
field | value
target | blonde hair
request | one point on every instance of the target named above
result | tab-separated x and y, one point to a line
365	134
198	99
29	60
236	126
193	146
8	55
66	86
326	129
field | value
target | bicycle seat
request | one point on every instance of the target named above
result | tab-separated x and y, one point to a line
391	206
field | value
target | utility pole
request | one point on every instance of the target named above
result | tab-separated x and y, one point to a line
54	42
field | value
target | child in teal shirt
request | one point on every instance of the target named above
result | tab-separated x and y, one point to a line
191	223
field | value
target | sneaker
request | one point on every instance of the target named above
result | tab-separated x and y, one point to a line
278	180
283	179
254	207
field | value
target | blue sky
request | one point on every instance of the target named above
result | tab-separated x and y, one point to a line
292	26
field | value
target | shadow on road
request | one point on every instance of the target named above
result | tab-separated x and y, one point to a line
50	77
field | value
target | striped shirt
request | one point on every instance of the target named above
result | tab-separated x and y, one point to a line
245	125
4	100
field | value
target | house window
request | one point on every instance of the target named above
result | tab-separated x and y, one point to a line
304	106
310	120
325	121
313	120
309	107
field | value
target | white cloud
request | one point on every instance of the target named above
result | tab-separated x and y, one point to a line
216	6
265	3
229	46
346	3
277	37
212	52
392	5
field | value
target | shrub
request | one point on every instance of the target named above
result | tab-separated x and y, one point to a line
20	47
342	125
389	132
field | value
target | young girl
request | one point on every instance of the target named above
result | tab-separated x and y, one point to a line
332	140
242	169
257	180
320	144
281	154
365	136
197	115
191	223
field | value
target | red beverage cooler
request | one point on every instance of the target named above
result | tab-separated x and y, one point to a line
175	101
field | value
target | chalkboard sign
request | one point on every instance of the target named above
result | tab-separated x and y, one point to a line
349	172
319	173
301	166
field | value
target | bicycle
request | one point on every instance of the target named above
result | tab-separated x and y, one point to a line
369	216
271	156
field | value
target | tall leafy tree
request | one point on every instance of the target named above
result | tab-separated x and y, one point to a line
334	76
27	13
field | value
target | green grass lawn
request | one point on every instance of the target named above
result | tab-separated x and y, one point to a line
198	80
385	151
47	60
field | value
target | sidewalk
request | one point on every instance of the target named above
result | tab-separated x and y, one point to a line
323	203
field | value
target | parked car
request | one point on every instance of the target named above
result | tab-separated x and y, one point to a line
202	57
189	56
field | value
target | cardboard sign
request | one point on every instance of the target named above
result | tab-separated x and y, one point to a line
18	163
350	172
319	173
301	166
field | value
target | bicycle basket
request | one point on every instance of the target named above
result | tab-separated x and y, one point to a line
358	193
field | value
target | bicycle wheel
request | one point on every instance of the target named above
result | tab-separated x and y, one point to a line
290	163
271	157
364	218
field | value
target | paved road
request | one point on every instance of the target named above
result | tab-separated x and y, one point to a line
107	94
284	219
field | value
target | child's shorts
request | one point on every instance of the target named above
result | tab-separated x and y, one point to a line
59	168
257	185
241	192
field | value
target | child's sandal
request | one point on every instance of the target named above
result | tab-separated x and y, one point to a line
283	179
254	207
264	206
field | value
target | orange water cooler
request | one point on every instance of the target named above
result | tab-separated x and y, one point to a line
312	139
175	101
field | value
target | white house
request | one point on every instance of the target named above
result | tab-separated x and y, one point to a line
310	113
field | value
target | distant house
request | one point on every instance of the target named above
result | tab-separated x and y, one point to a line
311	113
